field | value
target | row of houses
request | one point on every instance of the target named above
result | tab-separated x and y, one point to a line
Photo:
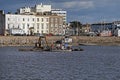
103	28
40	19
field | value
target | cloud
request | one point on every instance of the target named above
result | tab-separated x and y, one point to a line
79	4
74	5
82	10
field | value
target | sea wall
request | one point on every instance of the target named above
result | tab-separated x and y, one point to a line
31	40
17	40
99	40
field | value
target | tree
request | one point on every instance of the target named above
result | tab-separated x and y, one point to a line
9	13
76	26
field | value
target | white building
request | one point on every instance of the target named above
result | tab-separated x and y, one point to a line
33	24
33	20
42	8
116	28
36	9
60	12
27	23
24	10
117	32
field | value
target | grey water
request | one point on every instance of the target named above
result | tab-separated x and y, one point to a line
94	63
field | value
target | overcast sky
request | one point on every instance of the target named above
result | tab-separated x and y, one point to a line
85	11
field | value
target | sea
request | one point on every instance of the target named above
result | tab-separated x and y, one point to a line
94	63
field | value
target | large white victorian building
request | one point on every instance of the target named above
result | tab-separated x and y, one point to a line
33	20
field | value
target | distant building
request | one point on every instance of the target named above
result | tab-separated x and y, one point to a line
107	29
56	25
99	27
24	10
60	12
34	24
116	28
36	9
41	9
33	20
2	20
86	28
106	33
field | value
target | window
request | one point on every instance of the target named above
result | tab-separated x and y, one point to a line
33	25
28	26
13	26
23	26
37	19
47	25
8	26
28	19
42	25
47	19
33	19
47	31
23	19
8	19
56	19
42	31
37	25
37	31
56	25
52	20
18	26
52	25
42	19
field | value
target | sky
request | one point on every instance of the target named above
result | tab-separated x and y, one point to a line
85	11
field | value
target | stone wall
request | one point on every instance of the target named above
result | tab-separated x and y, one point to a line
31	40
17	40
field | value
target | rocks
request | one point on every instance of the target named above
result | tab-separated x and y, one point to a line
17	40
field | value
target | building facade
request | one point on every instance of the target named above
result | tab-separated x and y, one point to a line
56	25
42	8
107	29
34	24
36	9
2	20
60	12
33	20
116	28
99	27
86	28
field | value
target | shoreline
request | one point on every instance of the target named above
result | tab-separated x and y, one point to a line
82	40
99	44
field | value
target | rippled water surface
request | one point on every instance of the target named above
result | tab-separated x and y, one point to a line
94	63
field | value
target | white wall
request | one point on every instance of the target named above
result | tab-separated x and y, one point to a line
25	10
42	25
25	22
43	8
60	12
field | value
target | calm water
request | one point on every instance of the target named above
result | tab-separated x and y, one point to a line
94	63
